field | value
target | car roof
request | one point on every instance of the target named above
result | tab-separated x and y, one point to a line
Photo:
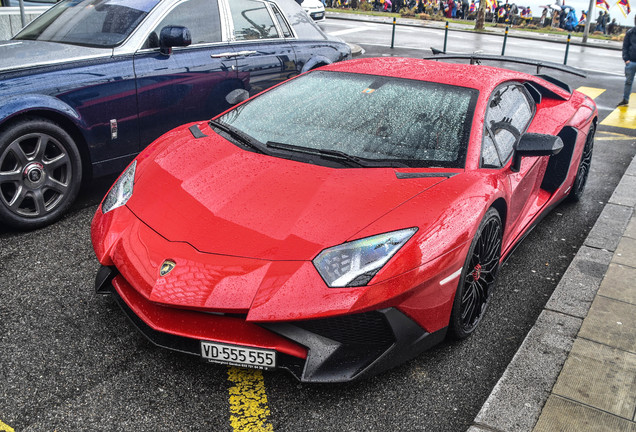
483	78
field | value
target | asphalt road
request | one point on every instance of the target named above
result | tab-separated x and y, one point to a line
70	361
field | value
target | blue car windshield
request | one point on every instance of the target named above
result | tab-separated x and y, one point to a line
93	23
371	118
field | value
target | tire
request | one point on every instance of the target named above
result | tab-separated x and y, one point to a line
40	173
578	187
478	277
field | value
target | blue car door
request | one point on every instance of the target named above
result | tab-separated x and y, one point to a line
259	35
190	83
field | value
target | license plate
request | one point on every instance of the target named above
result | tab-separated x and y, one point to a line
238	355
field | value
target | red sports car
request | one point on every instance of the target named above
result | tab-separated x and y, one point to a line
343	221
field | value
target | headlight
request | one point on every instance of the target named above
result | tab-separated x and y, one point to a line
355	263
121	191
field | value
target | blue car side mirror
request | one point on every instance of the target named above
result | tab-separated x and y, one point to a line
173	36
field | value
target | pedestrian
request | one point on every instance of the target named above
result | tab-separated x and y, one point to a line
606	21
600	22
571	21
629	57
544	15
448	9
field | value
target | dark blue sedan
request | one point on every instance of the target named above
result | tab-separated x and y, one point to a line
89	83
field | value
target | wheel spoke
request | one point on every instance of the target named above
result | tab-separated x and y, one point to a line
18	199
56	162
19	153
38	199
55	185
10	176
40	148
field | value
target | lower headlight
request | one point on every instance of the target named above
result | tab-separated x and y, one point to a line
121	191
355	263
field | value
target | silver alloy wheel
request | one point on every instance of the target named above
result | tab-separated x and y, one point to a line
35	175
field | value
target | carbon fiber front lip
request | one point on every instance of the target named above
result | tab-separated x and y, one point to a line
328	361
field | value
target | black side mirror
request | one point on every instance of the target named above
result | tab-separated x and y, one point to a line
533	144
173	36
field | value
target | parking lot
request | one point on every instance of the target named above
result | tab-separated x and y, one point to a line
70	361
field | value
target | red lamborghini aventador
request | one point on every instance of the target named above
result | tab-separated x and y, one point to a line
343	221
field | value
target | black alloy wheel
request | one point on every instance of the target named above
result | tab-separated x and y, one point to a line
584	167
40	173
478	277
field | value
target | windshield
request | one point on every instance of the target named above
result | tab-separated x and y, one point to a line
416	123
94	23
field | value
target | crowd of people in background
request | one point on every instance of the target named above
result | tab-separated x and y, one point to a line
502	12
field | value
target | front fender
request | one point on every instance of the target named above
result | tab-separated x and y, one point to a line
314	61
15	105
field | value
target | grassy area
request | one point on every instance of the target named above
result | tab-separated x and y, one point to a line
544	30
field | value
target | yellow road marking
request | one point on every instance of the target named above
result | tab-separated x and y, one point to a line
624	116
5	427
248	402
591	91
612	136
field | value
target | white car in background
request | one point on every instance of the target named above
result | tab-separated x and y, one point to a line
315	9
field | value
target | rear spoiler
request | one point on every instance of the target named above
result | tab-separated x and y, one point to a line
478	58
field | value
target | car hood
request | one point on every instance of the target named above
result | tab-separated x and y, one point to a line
225	200
25	54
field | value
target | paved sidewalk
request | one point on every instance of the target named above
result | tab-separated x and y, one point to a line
576	369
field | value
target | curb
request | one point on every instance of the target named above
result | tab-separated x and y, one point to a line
516	402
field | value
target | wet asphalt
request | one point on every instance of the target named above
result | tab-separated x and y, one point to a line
70	361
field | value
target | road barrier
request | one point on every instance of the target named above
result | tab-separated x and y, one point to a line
393	33
503	48
445	35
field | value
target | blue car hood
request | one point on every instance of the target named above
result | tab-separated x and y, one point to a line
25	54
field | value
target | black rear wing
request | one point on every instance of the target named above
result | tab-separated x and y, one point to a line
477	58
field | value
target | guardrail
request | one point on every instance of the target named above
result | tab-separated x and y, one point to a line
503	48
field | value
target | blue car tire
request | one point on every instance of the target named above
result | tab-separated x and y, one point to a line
40	172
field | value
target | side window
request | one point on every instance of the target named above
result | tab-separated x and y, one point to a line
509	104
489	154
281	21
201	17
252	20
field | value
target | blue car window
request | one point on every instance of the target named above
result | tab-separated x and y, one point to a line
281	21
94	23
252	20
201	17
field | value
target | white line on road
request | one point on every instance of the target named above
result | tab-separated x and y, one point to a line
347	31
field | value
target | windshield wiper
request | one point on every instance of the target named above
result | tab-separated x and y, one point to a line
331	154
339	156
242	137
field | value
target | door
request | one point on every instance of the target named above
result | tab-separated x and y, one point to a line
259	32
191	83
511	104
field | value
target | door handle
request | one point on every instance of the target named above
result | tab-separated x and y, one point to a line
225	54
245	53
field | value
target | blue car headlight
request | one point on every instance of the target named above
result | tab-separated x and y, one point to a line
355	263
121	191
